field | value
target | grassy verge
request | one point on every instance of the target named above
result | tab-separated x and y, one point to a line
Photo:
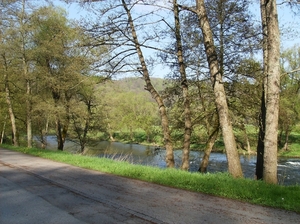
220	184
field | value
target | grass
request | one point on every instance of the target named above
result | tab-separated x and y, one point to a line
220	184
293	152
294	146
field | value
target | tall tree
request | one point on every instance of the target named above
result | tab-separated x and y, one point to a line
185	91
149	87
271	49
60	63
11	110
24	52
9	60
121	34
234	165
234	39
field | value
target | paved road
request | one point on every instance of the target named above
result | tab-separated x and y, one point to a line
35	190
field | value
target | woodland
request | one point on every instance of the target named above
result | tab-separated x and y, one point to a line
228	80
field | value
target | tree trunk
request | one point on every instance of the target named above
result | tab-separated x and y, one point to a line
86	126
29	111
209	146
26	76
272	92
286	141
246	138
262	116
111	137
3	130
59	135
234	165
44	133
261	139
15	140
184	85
149	87
212	128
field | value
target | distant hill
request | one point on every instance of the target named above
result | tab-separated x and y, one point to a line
136	84
132	84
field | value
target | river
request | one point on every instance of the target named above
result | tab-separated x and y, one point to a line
288	168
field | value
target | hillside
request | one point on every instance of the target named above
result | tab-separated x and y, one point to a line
136	84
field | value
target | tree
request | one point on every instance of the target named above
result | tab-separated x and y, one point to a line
185	91
61	63
234	165
24	40
9	61
126	55
271	48
149	87
234	40
11	111
85	116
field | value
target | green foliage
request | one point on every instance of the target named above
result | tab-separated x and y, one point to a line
128	108
49	68
289	113
220	184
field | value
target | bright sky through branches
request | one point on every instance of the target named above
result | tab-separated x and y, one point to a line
290	29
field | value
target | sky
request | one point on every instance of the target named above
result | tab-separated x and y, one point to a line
289	25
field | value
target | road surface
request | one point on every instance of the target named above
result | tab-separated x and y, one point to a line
35	190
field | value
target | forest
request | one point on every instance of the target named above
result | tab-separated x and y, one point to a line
227	83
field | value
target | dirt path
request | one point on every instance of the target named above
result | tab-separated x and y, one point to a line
35	189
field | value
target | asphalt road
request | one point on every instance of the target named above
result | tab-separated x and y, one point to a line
35	190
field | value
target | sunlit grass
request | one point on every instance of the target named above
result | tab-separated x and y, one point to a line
293	147
294	151
219	184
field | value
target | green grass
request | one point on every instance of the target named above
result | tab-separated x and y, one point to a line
220	184
294	146
294	151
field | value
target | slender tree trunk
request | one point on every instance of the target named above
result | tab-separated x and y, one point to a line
29	112
262	116
59	135
234	165
3	130
15	140
111	137
272	92
59	126
155	95
44	133
209	146
261	139
184	85
286	141
86	126
26	76
212	128
280	137
12	117
84	136
246	138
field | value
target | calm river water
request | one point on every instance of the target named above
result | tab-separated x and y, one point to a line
288	168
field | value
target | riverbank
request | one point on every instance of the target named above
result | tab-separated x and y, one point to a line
220	184
292	152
